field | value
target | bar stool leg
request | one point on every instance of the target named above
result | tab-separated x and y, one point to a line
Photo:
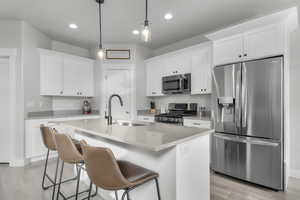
90	190
78	181
55	178
157	188
45	171
124	194
116	195
60	178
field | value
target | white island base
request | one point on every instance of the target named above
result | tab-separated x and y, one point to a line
183	169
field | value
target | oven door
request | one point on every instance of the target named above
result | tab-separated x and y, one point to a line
172	84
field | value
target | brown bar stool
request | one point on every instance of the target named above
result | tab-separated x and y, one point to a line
108	173
69	153
49	142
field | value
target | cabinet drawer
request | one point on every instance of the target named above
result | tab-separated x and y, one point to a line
146	118
197	123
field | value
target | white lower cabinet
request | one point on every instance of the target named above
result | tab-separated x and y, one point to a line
197	123
145	118
34	146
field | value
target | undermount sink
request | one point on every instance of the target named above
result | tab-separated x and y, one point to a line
128	123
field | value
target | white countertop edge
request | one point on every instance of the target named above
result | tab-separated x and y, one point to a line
94	134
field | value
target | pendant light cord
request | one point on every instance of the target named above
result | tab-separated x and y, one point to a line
146	10
100	26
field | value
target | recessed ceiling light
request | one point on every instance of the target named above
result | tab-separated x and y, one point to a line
135	32
73	26
168	16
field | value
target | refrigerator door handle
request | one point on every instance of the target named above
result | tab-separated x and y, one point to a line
247	140
244	98
237	100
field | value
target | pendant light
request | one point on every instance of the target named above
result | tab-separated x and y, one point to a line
101	51
146	32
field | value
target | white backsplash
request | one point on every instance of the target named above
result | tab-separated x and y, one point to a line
201	100
70	103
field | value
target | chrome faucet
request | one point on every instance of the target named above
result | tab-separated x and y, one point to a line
109	117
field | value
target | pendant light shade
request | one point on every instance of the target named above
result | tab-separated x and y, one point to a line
101	51
146	31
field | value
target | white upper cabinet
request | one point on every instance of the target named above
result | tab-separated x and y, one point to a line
258	43
51	77
78	77
228	50
154	71
268	41
179	63
201	71
65	75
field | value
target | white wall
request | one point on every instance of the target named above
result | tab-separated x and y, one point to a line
70	49
10	37
31	40
295	103
180	45
142	53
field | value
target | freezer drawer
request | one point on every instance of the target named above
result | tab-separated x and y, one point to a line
254	160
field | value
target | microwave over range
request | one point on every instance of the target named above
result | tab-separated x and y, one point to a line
177	84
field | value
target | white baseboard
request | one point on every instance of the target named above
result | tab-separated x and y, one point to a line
295	173
17	163
40	158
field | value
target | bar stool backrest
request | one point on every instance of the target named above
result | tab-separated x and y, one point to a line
67	150
102	168
48	137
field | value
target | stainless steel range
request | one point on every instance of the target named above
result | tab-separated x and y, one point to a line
176	112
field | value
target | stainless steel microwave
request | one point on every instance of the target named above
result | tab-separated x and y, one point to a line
176	84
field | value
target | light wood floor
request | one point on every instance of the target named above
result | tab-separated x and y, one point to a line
25	184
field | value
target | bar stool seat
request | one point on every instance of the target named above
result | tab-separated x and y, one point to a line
110	174
136	174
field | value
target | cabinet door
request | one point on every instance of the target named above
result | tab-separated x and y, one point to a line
201	71
86	87
177	64
154	70
228	50
34	145
51	74
72	77
265	42
78	77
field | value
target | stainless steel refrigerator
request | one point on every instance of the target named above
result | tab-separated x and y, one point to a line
248	119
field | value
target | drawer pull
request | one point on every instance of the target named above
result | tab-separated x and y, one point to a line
146	118
198	124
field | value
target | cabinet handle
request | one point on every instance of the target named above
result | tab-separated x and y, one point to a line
198	124
245	55
61	92
153	92
146	118
240	56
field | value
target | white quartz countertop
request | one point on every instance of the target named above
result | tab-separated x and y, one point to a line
154	136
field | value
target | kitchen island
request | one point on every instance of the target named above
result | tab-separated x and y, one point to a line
179	154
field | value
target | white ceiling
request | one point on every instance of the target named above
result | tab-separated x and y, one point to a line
120	17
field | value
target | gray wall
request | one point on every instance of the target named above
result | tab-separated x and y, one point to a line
295	102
